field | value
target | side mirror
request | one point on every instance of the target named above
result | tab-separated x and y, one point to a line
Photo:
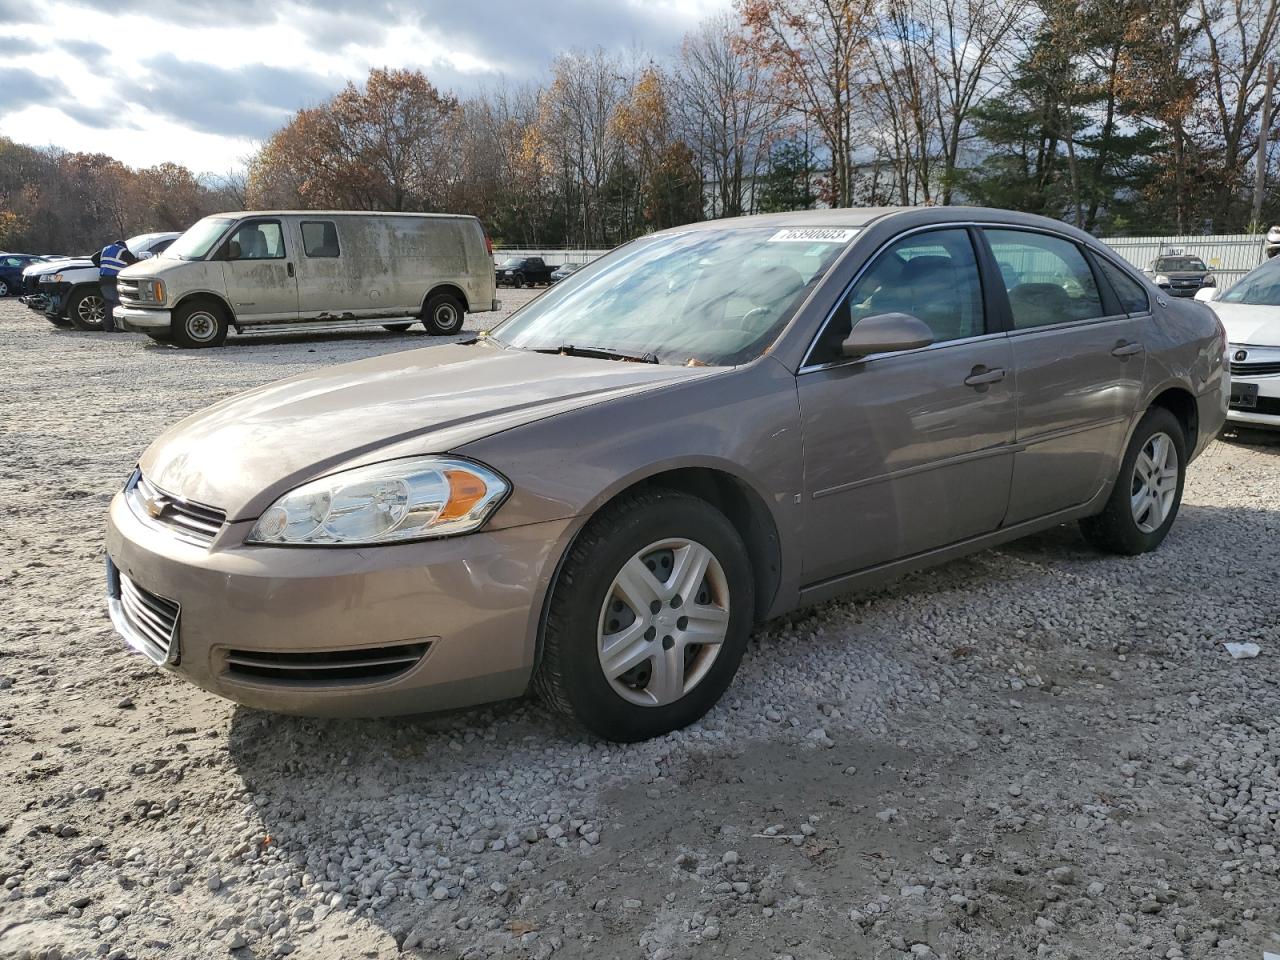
1207	293
886	333
145	255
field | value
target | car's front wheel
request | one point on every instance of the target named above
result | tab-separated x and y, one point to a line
1148	491
648	618
86	309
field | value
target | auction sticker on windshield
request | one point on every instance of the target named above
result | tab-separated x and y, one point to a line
813	235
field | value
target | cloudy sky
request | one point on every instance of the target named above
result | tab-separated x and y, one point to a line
199	82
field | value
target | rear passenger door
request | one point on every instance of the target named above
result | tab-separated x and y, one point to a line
1079	359
906	452
327	285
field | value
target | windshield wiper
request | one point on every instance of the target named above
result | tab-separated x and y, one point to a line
604	353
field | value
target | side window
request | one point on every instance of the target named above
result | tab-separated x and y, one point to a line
1133	298
320	238
256	240
932	276
1047	278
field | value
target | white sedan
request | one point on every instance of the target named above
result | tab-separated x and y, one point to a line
1250	311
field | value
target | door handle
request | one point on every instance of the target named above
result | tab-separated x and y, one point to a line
289	266
981	376
1125	350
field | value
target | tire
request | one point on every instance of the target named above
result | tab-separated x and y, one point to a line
86	309
61	322
397	327
443	315
1129	526
518	281
4	287
659	529
198	324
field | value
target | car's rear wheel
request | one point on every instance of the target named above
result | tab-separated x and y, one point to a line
86	309
648	618
198	324
4	287
443	314
1148	491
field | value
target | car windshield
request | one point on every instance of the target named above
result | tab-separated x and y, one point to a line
199	239
714	297
1261	287
1180	263
513	262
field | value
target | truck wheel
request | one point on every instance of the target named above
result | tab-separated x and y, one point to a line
442	315
518	281
397	327
86	309
199	324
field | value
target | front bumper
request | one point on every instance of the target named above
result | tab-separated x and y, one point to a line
1266	409
140	320
472	604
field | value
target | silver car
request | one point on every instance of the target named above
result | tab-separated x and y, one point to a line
707	428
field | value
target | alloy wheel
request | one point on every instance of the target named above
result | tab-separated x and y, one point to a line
1155	483
663	622
90	310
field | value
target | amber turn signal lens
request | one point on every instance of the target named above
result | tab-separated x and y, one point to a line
465	491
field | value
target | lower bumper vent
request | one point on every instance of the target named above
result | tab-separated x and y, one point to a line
366	665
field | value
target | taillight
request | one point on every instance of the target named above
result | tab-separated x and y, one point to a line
488	244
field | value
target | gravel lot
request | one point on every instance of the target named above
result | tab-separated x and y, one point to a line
1036	751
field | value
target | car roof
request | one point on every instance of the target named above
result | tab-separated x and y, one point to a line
341	213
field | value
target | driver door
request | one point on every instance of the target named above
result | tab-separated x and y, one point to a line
259	274
907	452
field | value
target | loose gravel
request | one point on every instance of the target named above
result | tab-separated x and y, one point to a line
1035	751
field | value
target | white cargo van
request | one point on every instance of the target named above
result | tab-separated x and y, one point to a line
255	269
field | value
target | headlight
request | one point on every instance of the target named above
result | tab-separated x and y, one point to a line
1209	281
151	290
1161	279
385	503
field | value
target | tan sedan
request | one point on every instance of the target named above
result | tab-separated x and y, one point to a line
704	429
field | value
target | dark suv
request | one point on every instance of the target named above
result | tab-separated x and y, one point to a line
1181	275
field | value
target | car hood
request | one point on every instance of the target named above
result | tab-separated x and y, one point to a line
1183	274
241	454
1249	323
40	269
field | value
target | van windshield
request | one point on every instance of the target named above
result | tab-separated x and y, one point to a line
199	239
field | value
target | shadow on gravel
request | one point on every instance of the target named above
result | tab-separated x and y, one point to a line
1262	441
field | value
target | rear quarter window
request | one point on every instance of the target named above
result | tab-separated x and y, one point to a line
1132	295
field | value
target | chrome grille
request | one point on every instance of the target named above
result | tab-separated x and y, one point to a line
153	618
191	521
365	665
1247	369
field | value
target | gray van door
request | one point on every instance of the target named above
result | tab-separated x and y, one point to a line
259	272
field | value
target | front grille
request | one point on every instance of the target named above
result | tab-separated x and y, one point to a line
191	521
30	284
127	290
366	665
1247	369
153	617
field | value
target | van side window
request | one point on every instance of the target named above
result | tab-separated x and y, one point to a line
1132	296
1047	278
932	275
257	240
320	238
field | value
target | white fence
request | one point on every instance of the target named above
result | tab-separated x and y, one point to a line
1229	256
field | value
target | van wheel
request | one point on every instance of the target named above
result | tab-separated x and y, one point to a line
397	327
648	618
1145	500
199	324
86	309
442	315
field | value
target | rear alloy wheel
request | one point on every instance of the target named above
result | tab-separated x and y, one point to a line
4	287
1148	491
443	315
86	310
196	325
649	617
